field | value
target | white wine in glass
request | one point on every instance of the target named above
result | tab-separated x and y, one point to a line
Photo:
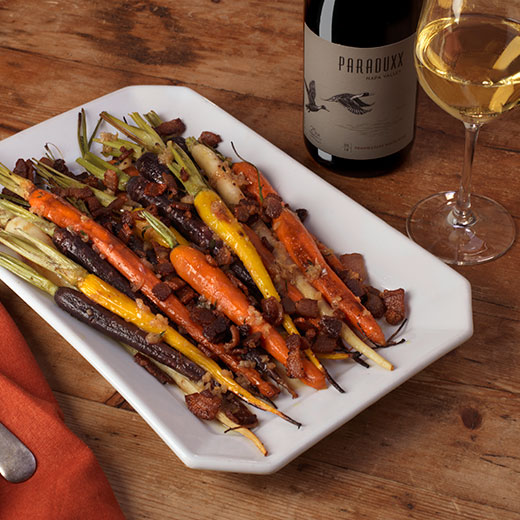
468	61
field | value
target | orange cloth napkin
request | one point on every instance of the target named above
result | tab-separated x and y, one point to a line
68	483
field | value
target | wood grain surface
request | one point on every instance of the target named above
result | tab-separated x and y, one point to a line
446	444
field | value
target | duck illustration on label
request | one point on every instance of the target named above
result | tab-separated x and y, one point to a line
353	102
311	94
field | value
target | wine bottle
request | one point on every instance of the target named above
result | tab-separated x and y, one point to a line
360	84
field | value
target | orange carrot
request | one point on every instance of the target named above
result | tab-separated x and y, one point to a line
142	277
215	286
306	255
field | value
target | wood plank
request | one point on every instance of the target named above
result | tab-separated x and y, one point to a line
151	483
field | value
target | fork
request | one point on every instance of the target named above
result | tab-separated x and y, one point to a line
17	462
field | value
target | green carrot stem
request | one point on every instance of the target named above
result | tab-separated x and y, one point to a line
64	181
160	228
27	273
43	255
15	183
185	170
15	209
145	137
97	167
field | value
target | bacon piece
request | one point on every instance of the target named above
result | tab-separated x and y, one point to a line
272	310
204	404
210	139
374	303
307	308
162	291
110	180
324	344
272	206
174	127
395	307
356	263
153	369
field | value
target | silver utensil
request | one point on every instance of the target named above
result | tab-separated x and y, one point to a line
17	462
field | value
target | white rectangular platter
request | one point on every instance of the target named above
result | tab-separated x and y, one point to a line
438	298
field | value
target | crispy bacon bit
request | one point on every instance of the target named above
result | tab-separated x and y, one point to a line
272	310
154	189
186	294
203	404
356	263
354	284
153	369
324	344
245	209
272	206
184	175
125	233
310	334
302	214
375	304
331	326
288	305
161	291
76	193
125	153
252	341
210	139
170	182
164	268
238	413
24	169
110	180
294	364
90	180
175	282
395	308
307	308
175	127
201	315
294	342
93	204
216	329
235	338
303	324
223	255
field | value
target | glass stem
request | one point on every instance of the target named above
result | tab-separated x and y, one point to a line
462	213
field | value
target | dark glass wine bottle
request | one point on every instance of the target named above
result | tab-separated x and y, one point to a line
360	83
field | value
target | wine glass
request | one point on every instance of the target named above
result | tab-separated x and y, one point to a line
467	57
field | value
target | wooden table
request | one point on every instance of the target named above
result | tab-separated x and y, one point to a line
446	444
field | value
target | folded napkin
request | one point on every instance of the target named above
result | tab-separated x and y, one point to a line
68	483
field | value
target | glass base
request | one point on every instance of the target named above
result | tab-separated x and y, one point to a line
432	225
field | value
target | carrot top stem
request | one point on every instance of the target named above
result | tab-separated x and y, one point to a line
161	229
27	273
14	209
64	181
15	183
144	135
97	167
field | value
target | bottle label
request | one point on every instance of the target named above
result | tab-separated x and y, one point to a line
359	102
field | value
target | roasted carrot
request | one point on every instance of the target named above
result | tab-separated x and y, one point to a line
132	311
139	275
306	255
296	283
165	357
213	284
